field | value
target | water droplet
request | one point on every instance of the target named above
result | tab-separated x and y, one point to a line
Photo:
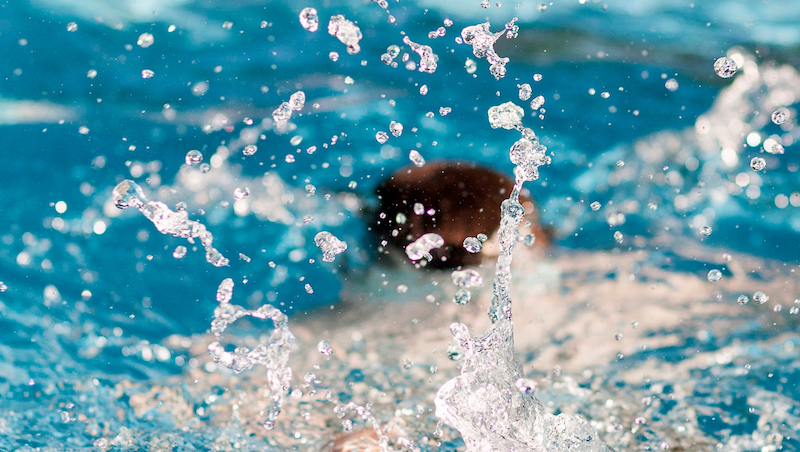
289	158
72	26
309	289
396	128
780	115
470	66
618	336
419	209
3	287
472	245
147	73
595	206
345	31
347	425
330	245
508	116
524	91
537	102
400	218
444	111
205	167
416	158
92	73
423	89
725	67
194	156
714	275
537	77
179	252
760	297
422	247
758	163
671	85
467	278
241	192
529	240
145	40
743	299
618	237
309	19
402	288
726	257
324	348
705	230
250	149
462	296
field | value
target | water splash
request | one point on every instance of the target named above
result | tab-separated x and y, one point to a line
273	353
129	194
485	403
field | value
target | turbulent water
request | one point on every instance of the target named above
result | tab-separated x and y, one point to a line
241	307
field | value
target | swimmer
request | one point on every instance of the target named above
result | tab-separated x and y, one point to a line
458	199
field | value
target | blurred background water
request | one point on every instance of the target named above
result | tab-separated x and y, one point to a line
636	120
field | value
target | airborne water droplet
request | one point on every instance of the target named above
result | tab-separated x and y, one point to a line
193	156
714	275
250	149
725	67
472	245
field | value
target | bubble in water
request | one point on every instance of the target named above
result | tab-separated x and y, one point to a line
345	31
422	247
462	296
472	245
526	386
72	26
416	158
758	163
330	245
309	289
780	115
725	67
743	299
145	40
179	252
706	230
309	19
324	348
537	102
508	116
524	91
595	206
193	156
618	237
760	297
147	73
396	128
467	278
241	192
250	149
714	275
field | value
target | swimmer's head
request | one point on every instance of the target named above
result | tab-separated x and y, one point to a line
457	200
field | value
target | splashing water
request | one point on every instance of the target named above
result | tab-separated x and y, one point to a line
330	245
345	31
129	194
488	387
423	246
273	354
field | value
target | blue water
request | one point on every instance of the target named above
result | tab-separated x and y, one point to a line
80	305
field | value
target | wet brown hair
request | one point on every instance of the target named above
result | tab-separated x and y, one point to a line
466	198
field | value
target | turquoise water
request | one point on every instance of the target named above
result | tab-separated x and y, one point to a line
97	310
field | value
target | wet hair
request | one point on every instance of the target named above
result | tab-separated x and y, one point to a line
465	198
